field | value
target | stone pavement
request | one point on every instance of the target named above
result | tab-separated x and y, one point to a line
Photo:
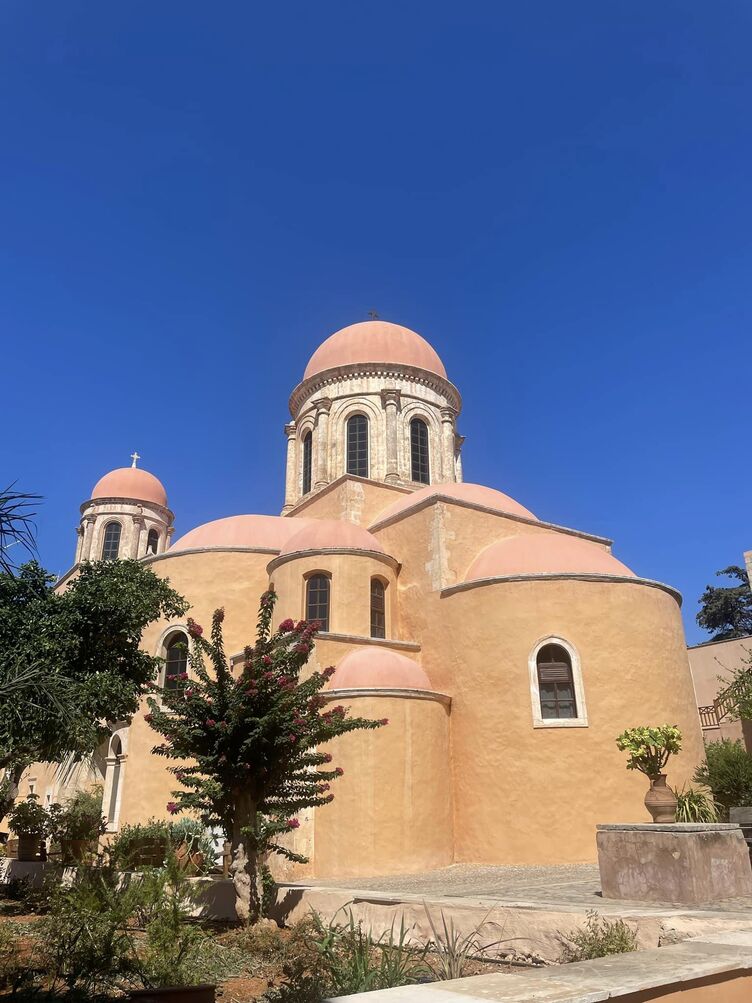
563	887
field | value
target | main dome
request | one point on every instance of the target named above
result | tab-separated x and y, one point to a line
132	483
374	341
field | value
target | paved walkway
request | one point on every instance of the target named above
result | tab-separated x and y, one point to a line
569	886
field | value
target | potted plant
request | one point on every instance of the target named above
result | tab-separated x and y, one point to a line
194	847
649	750
77	825
29	820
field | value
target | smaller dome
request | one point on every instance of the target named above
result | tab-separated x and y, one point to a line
544	553
133	483
331	534
262	532
475	494
374	341
369	668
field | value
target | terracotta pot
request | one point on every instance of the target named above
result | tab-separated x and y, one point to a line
174	994
189	860
660	801
73	851
29	847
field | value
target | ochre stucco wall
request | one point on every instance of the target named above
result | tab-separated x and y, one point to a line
392	808
534	795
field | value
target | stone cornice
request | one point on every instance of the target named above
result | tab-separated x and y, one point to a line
561	576
378	691
375	555
464	503
321	381
167	513
152	558
375	642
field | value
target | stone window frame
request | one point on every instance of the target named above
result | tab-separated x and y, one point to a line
358	413
581	721
386	597
161	651
315	573
420	409
103	539
342	411
306	427
115	761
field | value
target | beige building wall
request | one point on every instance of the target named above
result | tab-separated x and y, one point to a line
712	665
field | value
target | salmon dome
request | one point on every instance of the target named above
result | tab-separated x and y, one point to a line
374	341
133	483
331	534
256	532
371	668
544	553
474	494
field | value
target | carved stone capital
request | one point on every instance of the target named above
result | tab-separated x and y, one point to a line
290	429
448	414
458	440
323	405
389	397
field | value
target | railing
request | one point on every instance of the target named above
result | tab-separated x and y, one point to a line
725	703
708	716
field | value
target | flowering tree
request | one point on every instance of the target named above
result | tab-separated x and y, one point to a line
249	745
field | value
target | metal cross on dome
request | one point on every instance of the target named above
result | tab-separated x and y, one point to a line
135	457
373	315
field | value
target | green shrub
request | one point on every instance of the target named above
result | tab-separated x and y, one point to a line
29	818
693	805
727	772
79	818
598	938
124	849
649	749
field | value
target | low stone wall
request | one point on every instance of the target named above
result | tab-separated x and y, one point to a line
716	969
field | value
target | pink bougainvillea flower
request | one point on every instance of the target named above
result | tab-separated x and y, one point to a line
266	660
195	629
292	823
148	717
286	625
339	771
329	672
327	757
302	648
219	615
210	722
384	720
172	808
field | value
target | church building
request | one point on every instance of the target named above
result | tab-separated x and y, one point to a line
507	652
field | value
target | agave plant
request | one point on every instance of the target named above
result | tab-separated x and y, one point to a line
693	805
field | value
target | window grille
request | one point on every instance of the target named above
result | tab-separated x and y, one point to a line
317	600
111	545
378	608
357	445
419	451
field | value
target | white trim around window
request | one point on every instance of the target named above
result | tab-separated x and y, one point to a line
581	721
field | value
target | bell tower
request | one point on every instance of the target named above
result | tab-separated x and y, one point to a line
126	516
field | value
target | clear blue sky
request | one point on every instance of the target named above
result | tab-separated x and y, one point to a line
557	195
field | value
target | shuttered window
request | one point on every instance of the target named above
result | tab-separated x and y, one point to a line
307	461
317	600
357	445
419	464
111	545
378	608
556	682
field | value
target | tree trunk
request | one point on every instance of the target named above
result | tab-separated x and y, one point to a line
9	788
244	866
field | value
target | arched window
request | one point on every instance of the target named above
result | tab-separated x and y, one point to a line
176	660
152	541
556	683
378	608
317	600
307	461
419	465
357	445
114	764
111	545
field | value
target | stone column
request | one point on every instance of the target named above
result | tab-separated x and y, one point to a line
390	401
79	543
321	458
137	543
458	440
88	534
448	414
291	471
